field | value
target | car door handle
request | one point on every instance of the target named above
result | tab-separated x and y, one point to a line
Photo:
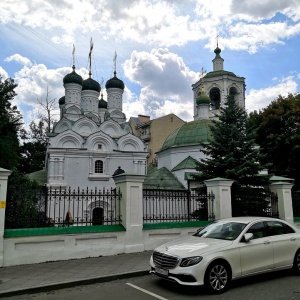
293	239
266	242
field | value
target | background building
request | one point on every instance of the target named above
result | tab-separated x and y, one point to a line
154	132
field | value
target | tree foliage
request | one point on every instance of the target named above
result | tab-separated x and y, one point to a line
232	153
278	134
10	125
33	150
24	206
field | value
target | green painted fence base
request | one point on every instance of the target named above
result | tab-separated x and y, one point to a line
169	225
61	230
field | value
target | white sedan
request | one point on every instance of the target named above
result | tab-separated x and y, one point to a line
229	249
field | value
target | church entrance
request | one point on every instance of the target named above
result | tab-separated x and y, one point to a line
98	216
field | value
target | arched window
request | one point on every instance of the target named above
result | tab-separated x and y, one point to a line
215	98
232	91
98	166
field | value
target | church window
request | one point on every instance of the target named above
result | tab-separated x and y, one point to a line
215	98
98	166
99	146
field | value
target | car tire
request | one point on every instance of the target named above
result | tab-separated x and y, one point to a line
296	265
217	277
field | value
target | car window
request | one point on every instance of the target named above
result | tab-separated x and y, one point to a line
223	231
258	230
278	228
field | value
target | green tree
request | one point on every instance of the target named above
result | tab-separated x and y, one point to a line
278	134
232	153
10	125
33	150
25	204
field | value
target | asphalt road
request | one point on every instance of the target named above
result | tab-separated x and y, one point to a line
275	286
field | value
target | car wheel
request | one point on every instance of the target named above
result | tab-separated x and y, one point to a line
296	265
217	277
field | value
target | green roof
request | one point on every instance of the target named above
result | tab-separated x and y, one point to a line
191	133
162	179
39	176
187	163
219	73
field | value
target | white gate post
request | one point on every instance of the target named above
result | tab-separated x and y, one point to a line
3	190
285	204
221	188
131	187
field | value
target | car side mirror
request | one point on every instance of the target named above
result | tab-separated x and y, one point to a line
248	237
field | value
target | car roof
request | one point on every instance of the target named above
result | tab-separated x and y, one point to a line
247	219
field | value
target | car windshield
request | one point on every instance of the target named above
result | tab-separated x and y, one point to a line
222	231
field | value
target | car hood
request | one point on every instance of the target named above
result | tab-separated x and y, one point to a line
190	246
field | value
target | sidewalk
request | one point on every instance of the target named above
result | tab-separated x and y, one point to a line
45	276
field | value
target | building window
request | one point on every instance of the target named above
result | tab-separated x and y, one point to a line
99	146
171	119
98	166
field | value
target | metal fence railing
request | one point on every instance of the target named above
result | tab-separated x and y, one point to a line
176	206
62	207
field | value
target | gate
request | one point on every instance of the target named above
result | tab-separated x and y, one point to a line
254	203
296	203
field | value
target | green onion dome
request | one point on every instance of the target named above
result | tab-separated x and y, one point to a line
91	85
115	82
73	77
202	99
62	100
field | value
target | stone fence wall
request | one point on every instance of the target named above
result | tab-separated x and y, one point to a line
131	236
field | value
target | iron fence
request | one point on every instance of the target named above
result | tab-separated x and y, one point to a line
63	207
296	203
176	206
254	203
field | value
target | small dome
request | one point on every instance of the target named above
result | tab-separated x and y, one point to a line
203	99
191	133
62	100
115	82
102	103
118	171
91	85
73	77
217	51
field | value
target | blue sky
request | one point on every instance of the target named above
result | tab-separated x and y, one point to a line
161	47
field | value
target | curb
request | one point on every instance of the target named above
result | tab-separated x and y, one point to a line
70	284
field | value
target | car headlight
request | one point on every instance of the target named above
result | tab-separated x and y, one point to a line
190	261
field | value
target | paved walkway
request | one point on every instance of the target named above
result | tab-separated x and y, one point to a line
53	275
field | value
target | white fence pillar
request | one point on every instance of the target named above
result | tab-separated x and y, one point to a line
131	187
285	204
221	188
3	189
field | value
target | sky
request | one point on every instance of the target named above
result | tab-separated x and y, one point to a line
161	48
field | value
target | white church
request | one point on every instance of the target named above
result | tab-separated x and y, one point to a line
92	139
176	160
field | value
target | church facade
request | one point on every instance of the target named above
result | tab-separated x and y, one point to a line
92	139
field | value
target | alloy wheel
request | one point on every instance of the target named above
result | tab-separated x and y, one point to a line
218	278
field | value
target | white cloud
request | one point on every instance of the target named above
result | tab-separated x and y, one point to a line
3	73
19	59
258	99
165	81
157	23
